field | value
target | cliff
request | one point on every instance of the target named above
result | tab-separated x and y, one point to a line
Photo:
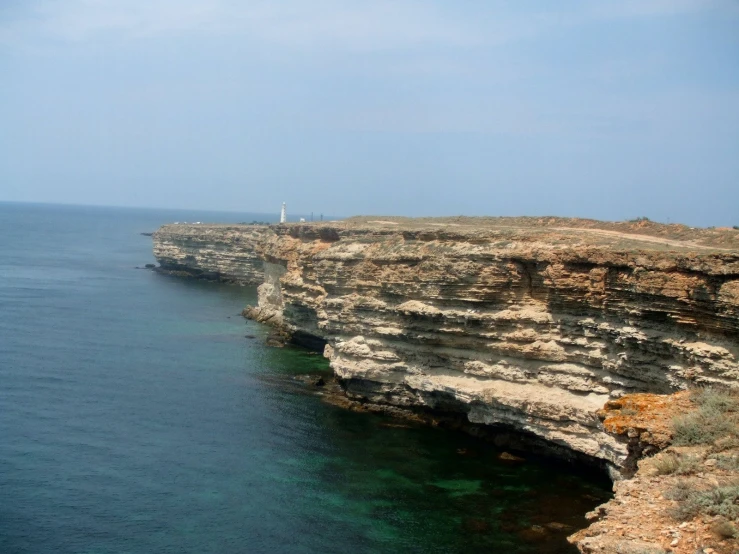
213	252
517	324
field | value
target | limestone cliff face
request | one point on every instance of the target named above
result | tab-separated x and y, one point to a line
526	326
218	252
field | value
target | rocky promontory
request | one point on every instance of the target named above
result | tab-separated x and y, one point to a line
212	252
519	323
514	324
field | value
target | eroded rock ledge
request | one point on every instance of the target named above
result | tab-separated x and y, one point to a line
211	252
522	323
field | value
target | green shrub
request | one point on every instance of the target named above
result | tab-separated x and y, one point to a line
723	400
703	426
729	463
688	429
715	418
718	501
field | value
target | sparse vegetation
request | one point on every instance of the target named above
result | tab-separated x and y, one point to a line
736	227
725	400
666	464
717	417
718	501
680	491
714	425
639	219
729	463
670	463
726	443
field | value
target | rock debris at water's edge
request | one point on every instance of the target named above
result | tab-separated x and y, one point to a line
522	324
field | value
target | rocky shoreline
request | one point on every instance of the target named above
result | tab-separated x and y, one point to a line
522	328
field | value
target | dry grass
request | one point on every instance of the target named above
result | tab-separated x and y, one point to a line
672	463
725	530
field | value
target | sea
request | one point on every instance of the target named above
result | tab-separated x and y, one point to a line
140	413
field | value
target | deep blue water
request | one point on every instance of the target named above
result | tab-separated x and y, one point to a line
136	417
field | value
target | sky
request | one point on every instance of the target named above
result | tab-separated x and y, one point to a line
611	109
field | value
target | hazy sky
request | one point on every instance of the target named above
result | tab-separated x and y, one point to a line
611	108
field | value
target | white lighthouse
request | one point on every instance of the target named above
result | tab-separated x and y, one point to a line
283	213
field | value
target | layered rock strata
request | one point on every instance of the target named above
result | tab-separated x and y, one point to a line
531	325
213	252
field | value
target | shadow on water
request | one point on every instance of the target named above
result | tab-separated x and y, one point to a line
404	486
419	486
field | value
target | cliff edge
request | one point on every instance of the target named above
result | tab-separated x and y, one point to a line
568	336
521	324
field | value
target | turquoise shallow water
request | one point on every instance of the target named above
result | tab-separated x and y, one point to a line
136	417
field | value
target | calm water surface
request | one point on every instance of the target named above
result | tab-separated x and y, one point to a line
136	417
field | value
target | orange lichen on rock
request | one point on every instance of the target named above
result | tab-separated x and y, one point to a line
646	417
679	498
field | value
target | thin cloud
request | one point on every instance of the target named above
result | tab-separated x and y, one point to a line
380	24
611	9
376	25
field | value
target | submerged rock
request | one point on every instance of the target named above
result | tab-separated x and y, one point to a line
505	456
535	533
313	380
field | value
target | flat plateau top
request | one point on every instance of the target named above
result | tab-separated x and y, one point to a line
559	231
638	234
